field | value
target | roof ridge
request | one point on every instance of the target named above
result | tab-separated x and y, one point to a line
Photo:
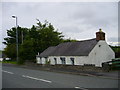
79	41
87	40
78	48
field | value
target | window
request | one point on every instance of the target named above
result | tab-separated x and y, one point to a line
63	60
72	61
55	59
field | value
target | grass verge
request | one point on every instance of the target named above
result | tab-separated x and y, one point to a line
12	62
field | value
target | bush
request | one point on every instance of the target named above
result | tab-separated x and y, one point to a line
47	62
20	61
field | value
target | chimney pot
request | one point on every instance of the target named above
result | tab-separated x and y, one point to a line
100	35
100	30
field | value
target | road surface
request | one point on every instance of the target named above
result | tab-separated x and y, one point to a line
14	77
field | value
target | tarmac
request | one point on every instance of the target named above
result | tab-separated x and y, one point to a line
110	74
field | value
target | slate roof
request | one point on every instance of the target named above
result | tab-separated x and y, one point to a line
79	48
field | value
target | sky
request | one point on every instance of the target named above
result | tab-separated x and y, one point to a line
76	20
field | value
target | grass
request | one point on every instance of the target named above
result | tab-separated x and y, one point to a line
12	62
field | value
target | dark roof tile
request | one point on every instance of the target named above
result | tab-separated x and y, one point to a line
79	48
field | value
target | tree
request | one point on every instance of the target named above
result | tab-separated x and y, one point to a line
48	36
38	39
33	40
26	51
10	51
10	41
116	49
69	40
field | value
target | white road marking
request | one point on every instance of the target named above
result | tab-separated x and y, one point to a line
7	72
77	87
37	79
81	88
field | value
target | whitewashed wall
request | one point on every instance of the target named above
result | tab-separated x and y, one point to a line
40	60
101	54
43	60
98	55
77	60
51	58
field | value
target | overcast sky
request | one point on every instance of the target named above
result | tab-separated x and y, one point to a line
76	20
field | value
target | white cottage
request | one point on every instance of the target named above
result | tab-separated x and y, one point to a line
94	51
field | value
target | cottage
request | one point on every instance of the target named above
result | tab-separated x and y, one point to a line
93	51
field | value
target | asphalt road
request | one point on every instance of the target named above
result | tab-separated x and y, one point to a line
14	77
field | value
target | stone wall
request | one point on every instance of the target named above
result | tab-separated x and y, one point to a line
76	68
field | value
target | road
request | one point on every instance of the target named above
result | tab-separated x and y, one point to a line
14	77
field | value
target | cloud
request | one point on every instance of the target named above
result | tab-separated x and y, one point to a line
115	39
78	20
97	14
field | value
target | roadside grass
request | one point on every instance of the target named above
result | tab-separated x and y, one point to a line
12	62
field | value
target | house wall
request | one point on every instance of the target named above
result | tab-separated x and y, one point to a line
101	53
77	60
43	60
40	60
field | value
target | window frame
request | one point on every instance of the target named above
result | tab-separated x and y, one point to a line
63	61
55	61
72	61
